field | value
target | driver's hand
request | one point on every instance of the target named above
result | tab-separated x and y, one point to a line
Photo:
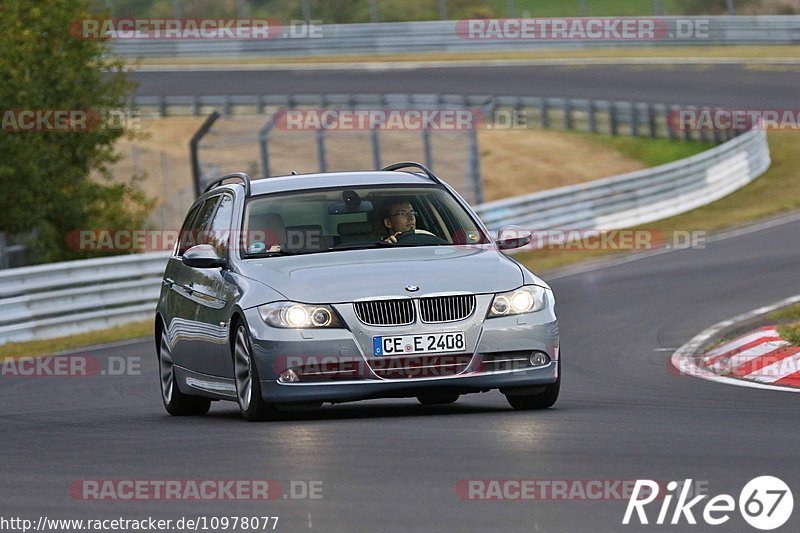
392	239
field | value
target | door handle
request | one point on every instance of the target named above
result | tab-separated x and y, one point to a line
169	282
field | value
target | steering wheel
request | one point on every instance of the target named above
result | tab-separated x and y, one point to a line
419	236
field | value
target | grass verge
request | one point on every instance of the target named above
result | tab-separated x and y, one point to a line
775	192
134	330
788	320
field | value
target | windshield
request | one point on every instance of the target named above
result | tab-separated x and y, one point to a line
356	218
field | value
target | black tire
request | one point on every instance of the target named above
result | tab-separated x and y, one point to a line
437	398
541	400
248	386
175	402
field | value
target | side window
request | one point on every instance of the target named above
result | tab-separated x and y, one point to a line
180	246
193	234
220	230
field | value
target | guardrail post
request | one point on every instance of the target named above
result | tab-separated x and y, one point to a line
194	144
634	120
651	120
196	105
260	106
475	166
323	163
226	105
426	142
592	116
162	106
376	148
613	118
687	132
703	134
670	112
544	113
3	258
568	119
263	140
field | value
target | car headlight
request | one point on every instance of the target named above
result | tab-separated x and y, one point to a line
526	299
297	315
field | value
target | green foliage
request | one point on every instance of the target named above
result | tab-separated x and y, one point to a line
791	312
790	332
715	7
54	182
651	152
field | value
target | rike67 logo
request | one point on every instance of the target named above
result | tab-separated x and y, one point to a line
765	503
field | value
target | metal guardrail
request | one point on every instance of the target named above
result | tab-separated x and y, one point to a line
638	197
59	299
446	36
77	296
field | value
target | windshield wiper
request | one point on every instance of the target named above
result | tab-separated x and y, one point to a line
361	246
274	254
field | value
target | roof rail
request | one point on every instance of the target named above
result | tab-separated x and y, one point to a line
412	164
245	179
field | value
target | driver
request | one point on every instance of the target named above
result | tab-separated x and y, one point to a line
398	217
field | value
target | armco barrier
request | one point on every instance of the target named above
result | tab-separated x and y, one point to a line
638	197
64	298
59	299
443	37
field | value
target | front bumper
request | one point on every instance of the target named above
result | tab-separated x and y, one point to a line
332	350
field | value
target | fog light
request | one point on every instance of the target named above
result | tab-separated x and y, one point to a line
288	376
539	359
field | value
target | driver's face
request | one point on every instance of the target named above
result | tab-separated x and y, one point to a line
400	218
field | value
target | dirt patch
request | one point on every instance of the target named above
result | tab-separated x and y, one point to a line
521	162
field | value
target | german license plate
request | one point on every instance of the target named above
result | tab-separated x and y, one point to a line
413	344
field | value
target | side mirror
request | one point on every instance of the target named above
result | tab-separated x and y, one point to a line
510	237
202	256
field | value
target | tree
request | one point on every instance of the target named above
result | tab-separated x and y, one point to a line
54	182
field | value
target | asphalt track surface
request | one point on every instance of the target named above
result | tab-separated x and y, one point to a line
759	87
393	465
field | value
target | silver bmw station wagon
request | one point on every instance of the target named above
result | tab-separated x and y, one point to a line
342	286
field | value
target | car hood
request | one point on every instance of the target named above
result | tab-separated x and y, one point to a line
344	276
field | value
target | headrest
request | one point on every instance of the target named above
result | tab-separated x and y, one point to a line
267	228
